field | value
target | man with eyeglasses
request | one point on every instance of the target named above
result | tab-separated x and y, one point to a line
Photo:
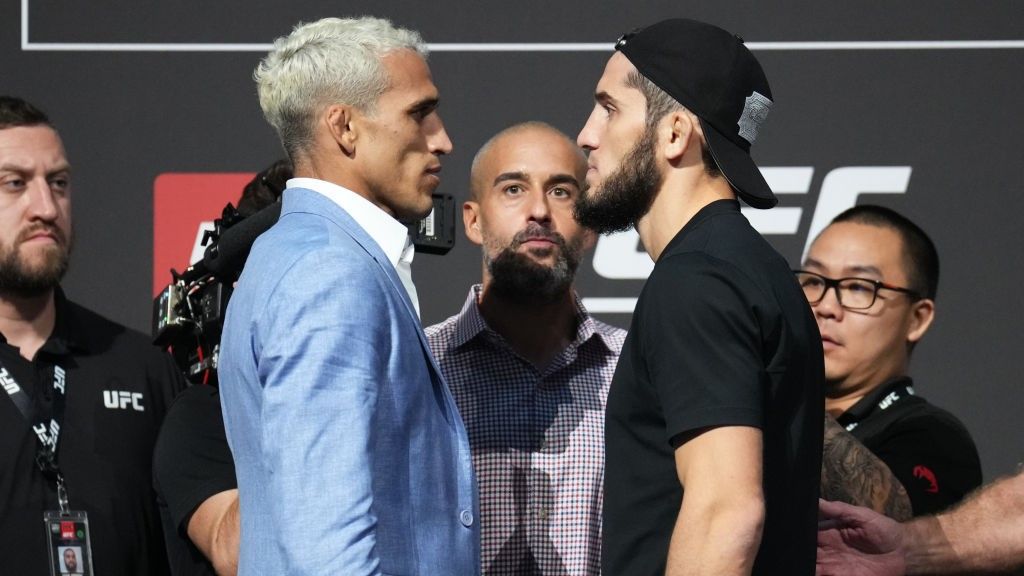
871	278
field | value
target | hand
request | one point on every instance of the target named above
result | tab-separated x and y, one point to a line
855	541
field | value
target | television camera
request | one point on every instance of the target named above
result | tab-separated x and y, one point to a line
188	315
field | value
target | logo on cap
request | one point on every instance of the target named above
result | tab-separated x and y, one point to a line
925	473
755	110
625	38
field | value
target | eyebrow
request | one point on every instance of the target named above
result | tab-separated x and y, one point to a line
604	98
860	269
563	179
525	176
21	168
425	104
506	176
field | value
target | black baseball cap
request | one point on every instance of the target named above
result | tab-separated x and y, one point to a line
713	74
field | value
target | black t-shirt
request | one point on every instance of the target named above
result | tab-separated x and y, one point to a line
118	386
722	335
928	449
191	462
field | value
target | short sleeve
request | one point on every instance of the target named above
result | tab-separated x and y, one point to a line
192	460
935	460
702	345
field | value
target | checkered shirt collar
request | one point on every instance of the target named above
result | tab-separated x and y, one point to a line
469	323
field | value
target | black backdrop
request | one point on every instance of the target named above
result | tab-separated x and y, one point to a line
929	92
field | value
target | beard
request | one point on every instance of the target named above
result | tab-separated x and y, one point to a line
518	278
20	278
625	195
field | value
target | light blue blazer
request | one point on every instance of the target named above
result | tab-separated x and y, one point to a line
351	456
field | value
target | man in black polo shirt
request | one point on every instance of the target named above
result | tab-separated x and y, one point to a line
197	491
193	471
883	272
714	419
83	397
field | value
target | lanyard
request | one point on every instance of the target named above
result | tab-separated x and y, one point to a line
887	401
45	423
18	396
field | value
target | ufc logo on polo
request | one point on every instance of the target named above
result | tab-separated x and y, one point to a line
121	400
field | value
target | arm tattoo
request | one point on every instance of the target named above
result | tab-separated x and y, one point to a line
851	473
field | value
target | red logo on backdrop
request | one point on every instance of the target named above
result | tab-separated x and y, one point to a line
67	529
183	204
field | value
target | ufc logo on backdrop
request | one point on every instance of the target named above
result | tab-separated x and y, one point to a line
121	400
618	257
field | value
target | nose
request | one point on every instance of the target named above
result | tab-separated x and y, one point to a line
587	138
437	139
828	306
540	210
42	204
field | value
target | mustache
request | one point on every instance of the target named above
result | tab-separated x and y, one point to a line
34	229
535	231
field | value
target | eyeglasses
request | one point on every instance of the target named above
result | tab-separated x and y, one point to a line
852	293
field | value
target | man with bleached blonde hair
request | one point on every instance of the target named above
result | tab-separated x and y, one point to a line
349	450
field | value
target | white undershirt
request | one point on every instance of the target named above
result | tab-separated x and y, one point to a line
391	235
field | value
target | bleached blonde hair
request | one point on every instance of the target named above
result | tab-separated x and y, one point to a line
330	61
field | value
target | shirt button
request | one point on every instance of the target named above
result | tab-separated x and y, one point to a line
466	517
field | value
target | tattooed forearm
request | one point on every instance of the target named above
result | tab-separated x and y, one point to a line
851	473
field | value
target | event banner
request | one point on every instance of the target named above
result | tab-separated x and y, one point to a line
912	105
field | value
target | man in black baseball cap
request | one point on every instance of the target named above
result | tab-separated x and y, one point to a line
714	418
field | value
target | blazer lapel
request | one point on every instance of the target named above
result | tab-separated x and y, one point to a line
303	200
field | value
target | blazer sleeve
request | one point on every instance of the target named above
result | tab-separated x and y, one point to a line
326	338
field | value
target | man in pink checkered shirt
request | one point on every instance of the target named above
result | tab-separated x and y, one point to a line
527	365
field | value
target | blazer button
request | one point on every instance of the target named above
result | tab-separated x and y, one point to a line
466	517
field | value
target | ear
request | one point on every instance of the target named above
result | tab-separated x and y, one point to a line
678	126
922	313
471	220
338	120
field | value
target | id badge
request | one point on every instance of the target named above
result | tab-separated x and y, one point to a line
67	536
